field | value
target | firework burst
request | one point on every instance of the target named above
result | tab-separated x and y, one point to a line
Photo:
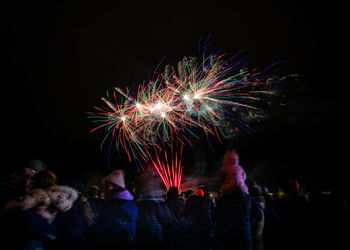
201	94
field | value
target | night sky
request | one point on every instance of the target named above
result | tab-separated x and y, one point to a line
62	55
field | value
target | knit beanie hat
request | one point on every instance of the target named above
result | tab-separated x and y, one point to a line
116	177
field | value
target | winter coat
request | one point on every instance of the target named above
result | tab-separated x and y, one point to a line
234	213
95	204
157	226
27	230
115	226
175	205
196	220
72	226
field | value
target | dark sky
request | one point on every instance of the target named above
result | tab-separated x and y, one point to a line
62	55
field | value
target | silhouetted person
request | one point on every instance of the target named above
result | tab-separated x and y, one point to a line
195	218
273	229
115	226
258	225
33	215
73	224
189	193
173	201
20	182
157	227
296	215
26	219
235	208
94	200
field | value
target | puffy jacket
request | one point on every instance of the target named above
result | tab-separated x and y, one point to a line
233	214
115	226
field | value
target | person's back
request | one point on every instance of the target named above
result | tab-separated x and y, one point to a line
117	221
258	225
73	225
273	231
233	214
235	208
115	226
173	201
197	223
94	200
156	225
297	217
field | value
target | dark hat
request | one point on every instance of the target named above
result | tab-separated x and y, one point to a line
37	165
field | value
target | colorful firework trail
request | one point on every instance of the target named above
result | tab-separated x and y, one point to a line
200	95
169	167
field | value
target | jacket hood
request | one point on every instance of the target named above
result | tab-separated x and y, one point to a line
123	195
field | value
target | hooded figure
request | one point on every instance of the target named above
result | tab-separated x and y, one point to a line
115	227
233	174
235	208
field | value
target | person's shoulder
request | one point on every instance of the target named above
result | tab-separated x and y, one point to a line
129	202
124	204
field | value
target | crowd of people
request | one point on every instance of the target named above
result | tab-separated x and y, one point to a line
38	213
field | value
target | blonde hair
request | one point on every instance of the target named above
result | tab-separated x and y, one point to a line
72	193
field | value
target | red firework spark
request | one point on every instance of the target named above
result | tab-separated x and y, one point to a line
169	167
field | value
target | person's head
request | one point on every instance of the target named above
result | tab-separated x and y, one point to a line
193	205
232	168
189	193
200	193
250	182
76	184
101	195
44	179
92	192
205	190
113	183
173	193
266	192
62	197
255	190
149	184
231	157
182	195
22	178
37	165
